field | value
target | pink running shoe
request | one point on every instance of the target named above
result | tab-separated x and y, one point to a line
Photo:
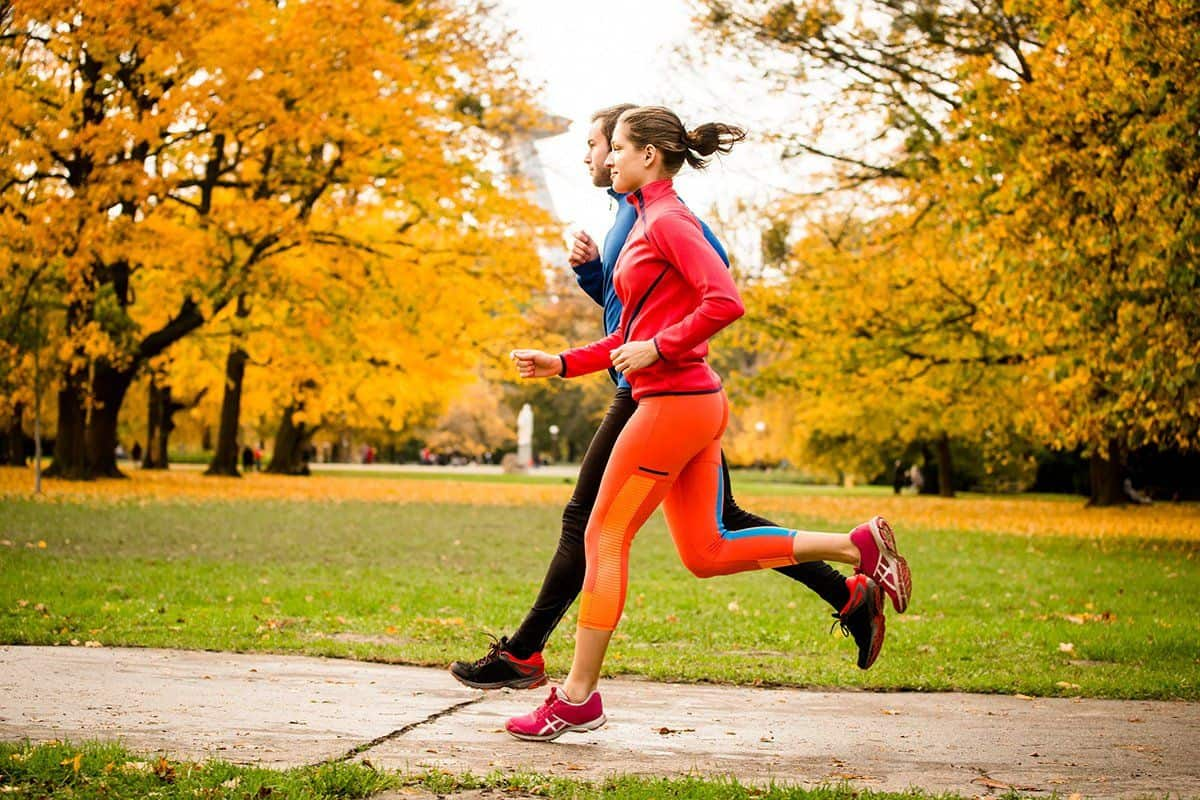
878	559
556	716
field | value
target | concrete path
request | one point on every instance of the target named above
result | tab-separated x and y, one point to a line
289	710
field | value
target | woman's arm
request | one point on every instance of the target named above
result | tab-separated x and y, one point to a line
679	238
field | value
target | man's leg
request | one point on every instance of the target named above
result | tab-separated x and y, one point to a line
859	611
503	666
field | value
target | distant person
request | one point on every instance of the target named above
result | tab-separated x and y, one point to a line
248	459
916	479
136	452
1141	498
899	477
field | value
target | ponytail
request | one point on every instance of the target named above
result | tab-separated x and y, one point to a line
712	137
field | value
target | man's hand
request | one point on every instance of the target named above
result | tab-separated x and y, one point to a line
536	364
584	250
633	356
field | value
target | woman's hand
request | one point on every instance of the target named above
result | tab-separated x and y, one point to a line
536	364
633	356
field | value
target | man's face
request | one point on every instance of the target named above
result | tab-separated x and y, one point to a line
597	152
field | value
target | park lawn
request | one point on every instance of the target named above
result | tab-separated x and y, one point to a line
101	771
421	581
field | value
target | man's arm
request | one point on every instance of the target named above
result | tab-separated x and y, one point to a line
589	271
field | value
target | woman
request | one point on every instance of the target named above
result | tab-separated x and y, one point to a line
676	294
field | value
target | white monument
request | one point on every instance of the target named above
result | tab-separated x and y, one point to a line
525	437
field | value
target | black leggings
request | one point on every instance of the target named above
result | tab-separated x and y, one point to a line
564	577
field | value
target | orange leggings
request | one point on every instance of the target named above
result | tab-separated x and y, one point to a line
670	453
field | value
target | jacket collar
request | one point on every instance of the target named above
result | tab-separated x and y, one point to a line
640	198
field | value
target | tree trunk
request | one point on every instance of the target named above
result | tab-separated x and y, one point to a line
1106	478
153	425
108	387
86	448
291	444
945	467
225	460
70	453
14	439
159	427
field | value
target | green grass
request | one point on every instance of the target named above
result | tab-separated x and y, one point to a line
421	583
109	772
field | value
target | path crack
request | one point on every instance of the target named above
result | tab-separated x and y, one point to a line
387	737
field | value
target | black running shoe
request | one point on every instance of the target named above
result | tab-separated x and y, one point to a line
500	669
862	618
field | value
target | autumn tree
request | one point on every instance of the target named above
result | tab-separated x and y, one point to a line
1018	238
164	157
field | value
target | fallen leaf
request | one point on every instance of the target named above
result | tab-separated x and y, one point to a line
1066	647
984	780
164	770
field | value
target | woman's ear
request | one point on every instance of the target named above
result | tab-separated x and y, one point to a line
649	154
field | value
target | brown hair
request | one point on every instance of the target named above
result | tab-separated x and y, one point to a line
662	128
608	118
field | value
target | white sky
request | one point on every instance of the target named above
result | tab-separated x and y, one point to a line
591	55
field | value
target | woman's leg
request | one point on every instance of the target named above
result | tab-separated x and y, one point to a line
708	548
695	517
661	437
516	661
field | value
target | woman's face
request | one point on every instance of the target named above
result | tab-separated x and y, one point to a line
629	165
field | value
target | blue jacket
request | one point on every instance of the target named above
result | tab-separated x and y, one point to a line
596	276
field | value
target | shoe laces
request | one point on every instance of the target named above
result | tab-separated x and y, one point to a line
493	652
838	619
542	712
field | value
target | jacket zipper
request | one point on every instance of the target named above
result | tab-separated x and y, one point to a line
638	308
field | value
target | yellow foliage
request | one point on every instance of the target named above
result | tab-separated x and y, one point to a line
1022	516
332	163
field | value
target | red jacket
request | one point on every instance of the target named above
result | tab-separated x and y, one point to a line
675	290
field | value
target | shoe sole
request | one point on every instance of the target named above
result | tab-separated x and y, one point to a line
549	737
897	566
532	682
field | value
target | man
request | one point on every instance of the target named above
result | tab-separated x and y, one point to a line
516	662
